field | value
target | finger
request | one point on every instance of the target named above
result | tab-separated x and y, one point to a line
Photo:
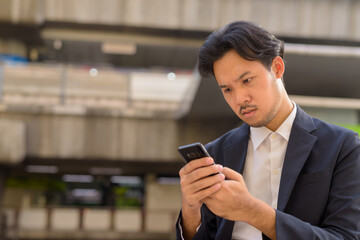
194	164
231	174
193	194
206	192
203	172
189	188
206	182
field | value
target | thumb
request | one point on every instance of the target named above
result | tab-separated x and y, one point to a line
231	174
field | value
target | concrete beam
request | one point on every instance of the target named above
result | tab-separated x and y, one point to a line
315	19
90	137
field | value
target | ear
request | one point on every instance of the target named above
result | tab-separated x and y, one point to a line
278	67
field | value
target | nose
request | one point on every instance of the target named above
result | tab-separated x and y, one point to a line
241	96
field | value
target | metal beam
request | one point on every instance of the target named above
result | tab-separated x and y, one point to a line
326	102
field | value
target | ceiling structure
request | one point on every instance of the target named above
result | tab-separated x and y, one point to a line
314	67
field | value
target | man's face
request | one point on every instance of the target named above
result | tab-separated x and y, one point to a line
253	92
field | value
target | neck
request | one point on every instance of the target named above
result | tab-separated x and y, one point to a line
284	111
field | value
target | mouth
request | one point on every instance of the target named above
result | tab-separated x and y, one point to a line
247	113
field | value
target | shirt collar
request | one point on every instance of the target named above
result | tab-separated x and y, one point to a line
285	128
259	134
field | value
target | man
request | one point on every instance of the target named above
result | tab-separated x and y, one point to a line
283	174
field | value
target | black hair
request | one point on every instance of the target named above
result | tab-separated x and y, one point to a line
250	41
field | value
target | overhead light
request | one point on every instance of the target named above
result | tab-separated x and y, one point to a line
93	72
41	169
118	48
81	192
171	76
131	180
77	178
57	44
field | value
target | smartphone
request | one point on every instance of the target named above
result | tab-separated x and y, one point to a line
193	151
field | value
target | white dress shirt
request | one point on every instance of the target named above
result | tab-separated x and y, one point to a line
262	170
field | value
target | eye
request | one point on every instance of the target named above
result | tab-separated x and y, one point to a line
247	80
227	90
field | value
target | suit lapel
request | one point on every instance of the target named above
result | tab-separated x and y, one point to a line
299	147
234	158
235	152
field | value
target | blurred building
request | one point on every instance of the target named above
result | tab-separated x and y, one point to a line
95	97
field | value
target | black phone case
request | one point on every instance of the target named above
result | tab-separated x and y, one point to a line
193	151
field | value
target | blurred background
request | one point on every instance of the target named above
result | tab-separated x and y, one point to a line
95	97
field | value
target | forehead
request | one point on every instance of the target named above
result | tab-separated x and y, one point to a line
232	65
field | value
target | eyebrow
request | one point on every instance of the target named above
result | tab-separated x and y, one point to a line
239	78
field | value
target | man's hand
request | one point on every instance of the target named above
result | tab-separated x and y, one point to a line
196	182
196	185
234	202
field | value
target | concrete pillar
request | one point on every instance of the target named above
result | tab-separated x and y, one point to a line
12	141
162	202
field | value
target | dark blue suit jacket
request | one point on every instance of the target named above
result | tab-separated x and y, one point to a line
319	195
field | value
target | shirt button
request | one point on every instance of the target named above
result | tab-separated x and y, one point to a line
275	171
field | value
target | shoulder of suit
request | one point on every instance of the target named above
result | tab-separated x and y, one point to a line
230	137
318	127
